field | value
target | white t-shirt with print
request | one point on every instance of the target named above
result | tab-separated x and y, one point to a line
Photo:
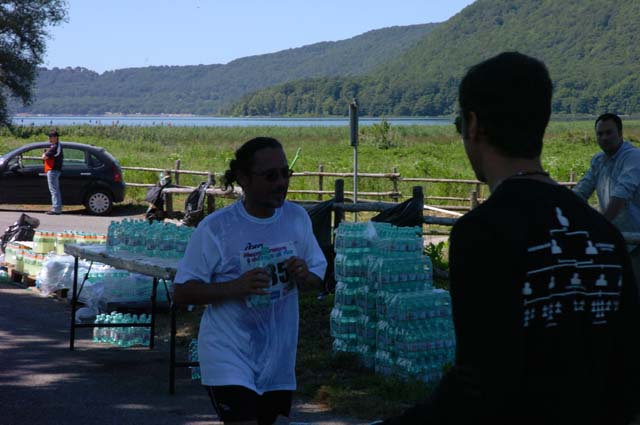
238	344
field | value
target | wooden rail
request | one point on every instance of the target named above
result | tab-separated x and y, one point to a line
395	178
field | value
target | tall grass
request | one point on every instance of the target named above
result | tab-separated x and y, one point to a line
417	151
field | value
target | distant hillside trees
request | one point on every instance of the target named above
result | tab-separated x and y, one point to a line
206	89
592	49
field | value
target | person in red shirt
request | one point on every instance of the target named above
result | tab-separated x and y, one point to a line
53	168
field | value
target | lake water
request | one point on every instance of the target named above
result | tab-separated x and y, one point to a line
194	121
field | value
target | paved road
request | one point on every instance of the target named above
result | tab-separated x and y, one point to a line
71	219
77	219
42	382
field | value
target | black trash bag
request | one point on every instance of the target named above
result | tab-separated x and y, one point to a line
22	230
194	205
406	214
320	215
156	198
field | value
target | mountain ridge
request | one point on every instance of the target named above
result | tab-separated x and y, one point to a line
205	89
592	49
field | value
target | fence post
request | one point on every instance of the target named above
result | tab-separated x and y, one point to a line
168	200
211	199
177	172
338	213
418	196
572	176
478	191
320	181
473	197
394	180
169	196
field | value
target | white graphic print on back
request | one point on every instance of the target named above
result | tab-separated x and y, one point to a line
570	275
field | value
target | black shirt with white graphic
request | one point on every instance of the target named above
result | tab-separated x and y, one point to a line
546	315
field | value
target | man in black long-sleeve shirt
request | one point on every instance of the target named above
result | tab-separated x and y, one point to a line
544	301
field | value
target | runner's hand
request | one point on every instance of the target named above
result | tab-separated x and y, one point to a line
253	282
297	269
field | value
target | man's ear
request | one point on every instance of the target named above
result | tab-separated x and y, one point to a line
471	128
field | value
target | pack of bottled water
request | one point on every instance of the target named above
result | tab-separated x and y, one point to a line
112	285
386	309
45	242
122	336
155	239
352	245
414	336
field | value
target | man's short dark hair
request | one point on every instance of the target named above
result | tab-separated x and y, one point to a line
610	117
511	96
53	133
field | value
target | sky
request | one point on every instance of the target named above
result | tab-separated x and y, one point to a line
104	35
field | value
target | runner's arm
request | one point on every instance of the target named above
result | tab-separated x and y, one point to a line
197	292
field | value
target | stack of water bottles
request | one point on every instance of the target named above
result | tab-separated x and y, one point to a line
107	285
76	237
352	245
386	309
127	336
155	239
45	242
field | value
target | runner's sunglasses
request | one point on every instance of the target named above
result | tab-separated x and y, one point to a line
272	174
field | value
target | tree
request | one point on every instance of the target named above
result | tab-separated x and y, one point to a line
23	30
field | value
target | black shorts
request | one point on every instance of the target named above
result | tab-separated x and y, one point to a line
234	403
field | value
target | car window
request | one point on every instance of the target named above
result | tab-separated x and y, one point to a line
14	162
96	162
74	158
31	158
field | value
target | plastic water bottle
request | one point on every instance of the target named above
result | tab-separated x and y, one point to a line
261	301
146	332
193	357
97	331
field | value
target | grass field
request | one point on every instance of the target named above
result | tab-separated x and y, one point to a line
416	151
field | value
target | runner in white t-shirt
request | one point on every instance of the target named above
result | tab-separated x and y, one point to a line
246	262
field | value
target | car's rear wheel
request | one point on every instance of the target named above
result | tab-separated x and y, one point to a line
99	202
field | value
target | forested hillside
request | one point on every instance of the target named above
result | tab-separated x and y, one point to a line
205	89
592	48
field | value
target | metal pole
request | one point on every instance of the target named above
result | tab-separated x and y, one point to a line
152	331
74	301
353	126
172	351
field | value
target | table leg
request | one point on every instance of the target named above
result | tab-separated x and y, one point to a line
72	331
154	293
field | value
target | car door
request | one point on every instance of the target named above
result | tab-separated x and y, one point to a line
76	175
23	179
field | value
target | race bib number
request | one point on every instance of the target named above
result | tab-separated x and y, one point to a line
280	285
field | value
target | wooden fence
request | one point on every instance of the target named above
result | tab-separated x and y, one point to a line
436	204
340	206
